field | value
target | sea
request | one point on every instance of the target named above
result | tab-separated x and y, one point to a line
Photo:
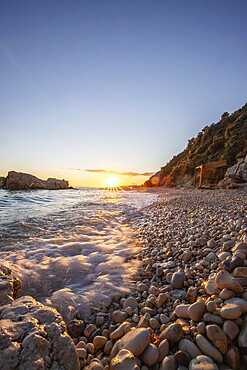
72	249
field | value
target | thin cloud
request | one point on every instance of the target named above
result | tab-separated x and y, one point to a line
129	174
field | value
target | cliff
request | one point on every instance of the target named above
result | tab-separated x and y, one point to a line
24	181
225	140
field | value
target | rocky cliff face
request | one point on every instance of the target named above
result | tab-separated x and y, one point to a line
225	140
24	181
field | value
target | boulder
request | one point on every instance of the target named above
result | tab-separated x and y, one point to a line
33	336
24	181
239	169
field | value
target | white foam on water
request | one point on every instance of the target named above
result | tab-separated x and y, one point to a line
76	259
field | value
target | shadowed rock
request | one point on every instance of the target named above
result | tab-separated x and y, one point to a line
33	336
24	181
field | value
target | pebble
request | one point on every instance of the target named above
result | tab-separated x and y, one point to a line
191	294
154	323
230	311
217	336
120	331
163	349
238	301
196	310
174	333
135	341
150	355
242	338
211	306
202	362
231	329
213	319
208	349
182	358
144	320
189	347
224	279
125	360
232	357
177	280
119	316
130	302
161	299
225	294
99	342
168	363
181	311
141	287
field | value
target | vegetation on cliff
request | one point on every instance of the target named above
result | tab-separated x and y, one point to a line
225	140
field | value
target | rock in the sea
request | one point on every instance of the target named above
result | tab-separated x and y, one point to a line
125	360
24	181
2	182
202	362
33	336
135	341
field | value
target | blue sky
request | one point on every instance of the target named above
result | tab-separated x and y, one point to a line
114	85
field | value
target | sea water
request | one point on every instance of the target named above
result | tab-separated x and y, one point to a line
70	248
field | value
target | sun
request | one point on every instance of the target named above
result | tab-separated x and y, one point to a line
112	181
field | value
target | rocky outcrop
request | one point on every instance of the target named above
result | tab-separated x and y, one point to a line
2	182
235	175
239	169
24	181
9	284
32	336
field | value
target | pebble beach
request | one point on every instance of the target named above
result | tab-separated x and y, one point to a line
188	308
188	302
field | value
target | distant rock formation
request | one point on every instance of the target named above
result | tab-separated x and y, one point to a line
2	182
25	181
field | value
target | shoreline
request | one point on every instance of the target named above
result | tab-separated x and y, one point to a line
190	296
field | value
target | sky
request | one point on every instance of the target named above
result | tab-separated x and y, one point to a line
93	87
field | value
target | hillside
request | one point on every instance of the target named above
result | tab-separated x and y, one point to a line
225	140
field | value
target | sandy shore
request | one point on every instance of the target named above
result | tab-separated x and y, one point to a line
188	305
